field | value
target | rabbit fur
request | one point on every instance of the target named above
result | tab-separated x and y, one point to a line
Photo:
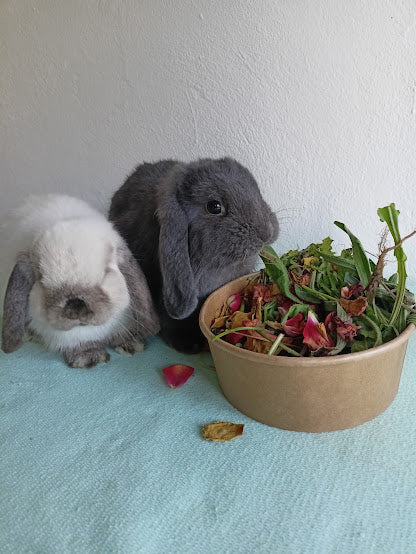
192	227
75	284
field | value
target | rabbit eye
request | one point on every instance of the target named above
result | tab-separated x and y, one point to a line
214	207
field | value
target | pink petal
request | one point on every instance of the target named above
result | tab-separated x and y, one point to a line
352	290
331	321
284	307
315	334
234	338
294	326
250	322
344	329
234	302
177	375
348	331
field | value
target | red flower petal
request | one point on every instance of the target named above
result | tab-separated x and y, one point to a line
294	326
345	329
234	302
284	306
177	375
250	322
315	334
331	321
352	290
234	338
348	331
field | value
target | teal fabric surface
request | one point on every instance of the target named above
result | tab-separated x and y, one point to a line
111	460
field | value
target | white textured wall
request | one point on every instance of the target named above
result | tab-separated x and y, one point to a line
317	98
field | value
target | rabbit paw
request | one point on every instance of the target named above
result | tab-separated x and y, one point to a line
128	347
86	357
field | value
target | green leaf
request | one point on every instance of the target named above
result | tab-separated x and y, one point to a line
277	271
367	334
268	310
305	296
360	345
393	279
339	262
330	306
361	261
400	322
295	310
325	246
374	326
312	295
389	333
390	215
411	318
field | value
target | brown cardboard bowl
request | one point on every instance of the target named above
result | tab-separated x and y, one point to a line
305	394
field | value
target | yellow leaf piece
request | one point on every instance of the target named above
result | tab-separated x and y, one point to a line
307	261
219	322
222	431
257	313
237	319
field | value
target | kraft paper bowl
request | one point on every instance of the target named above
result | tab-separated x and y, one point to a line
304	394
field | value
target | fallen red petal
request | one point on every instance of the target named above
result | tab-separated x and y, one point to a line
177	375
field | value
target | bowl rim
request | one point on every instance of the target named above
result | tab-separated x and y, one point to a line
291	360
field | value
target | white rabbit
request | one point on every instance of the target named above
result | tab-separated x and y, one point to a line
75	284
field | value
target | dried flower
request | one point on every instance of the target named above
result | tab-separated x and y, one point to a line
294	326
344	329
354	307
315	334
352	290
234	302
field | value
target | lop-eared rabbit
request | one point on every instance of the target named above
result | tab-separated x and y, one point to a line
75	284
192	227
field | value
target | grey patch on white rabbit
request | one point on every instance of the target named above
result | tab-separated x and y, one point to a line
16	304
145	321
185	251
79	289
70	306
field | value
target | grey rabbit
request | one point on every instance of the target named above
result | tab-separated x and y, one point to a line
192	227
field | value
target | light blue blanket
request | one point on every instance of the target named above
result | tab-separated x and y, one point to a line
111	460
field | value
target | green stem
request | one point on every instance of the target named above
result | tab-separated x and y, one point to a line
276	343
378	313
401	288
259	330
290	350
320	294
379	338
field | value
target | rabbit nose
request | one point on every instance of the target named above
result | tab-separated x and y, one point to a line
74	308
271	230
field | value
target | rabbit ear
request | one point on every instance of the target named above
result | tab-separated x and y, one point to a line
180	293
140	298
16	304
